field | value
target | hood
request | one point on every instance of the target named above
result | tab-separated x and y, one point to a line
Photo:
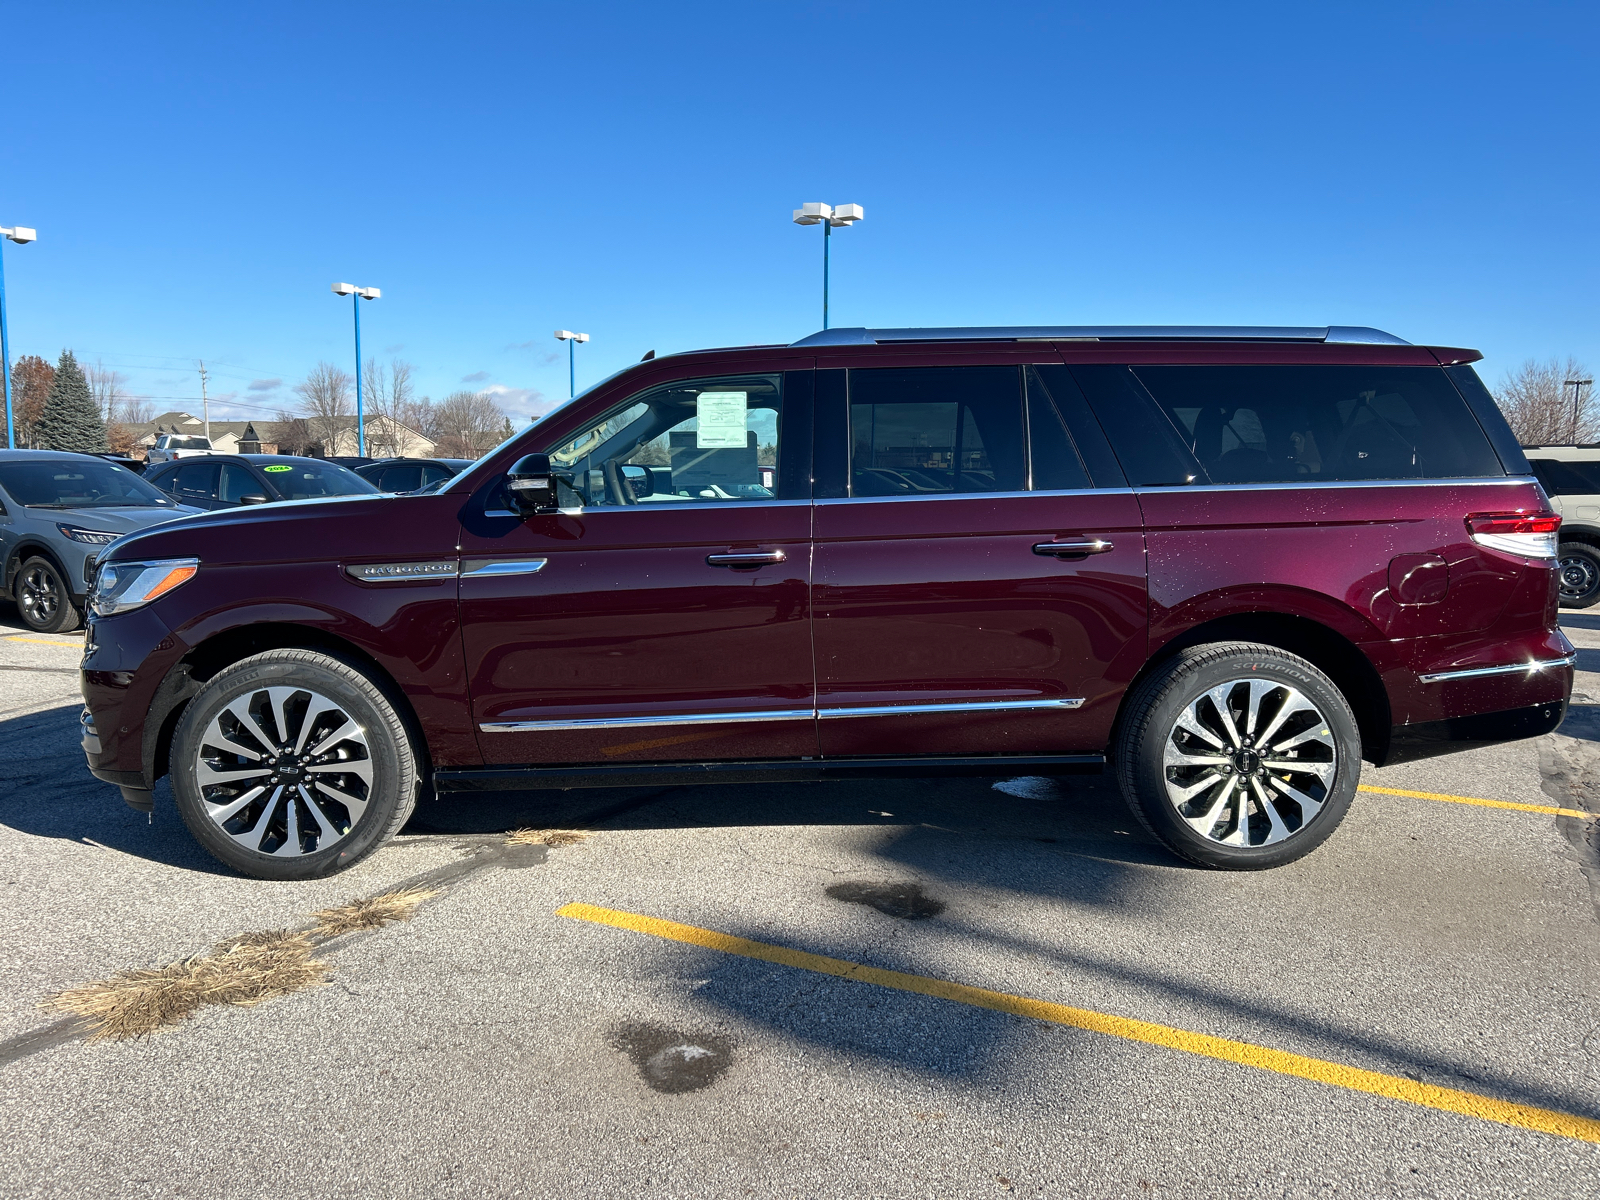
112	520
292	530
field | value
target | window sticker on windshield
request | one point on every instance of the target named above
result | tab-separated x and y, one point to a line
721	420
278	467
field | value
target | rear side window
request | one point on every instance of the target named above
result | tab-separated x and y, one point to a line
917	431
1567	478
194	481
400	479
1307	424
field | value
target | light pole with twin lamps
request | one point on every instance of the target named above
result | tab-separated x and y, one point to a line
22	236
571	339
830	217
357	295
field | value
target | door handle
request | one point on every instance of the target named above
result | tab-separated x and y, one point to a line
741	558
1074	547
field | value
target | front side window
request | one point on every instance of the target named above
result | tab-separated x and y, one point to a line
237	483
917	431
1285	424
704	441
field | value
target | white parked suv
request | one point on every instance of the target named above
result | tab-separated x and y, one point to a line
171	446
1571	478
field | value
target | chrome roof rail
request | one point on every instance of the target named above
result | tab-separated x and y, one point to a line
1339	334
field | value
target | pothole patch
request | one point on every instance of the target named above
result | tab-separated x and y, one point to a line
905	901
671	1061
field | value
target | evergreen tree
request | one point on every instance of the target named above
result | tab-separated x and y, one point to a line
71	419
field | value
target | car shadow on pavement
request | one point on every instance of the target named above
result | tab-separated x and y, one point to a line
50	793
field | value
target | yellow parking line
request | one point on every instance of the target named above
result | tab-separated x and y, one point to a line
1533	808
45	642
1522	1116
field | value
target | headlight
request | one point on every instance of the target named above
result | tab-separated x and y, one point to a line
90	537
124	585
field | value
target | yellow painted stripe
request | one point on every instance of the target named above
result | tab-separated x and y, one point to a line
1522	1116
46	642
1449	799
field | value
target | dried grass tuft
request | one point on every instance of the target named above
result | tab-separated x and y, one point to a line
372	912
547	837
243	971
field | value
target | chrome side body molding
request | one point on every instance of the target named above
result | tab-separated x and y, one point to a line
796	714
1527	668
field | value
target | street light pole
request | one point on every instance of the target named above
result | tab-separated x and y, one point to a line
829	217
571	339
22	236
357	295
1577	386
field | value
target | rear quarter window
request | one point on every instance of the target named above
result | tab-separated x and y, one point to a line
1310	424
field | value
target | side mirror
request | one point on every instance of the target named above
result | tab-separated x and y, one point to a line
530	487
640	480
254	498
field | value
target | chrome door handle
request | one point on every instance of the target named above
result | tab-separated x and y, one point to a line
1076	548
753	558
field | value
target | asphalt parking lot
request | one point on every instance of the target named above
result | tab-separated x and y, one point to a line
701	998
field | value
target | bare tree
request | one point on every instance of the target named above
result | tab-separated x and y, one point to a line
468	424
31	380
388	397
327	404
1540	407
109	388
135	410
291	433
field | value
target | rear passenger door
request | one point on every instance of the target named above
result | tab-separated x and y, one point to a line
979	578
193	483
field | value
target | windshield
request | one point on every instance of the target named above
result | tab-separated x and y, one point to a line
188	443
71	483
309	479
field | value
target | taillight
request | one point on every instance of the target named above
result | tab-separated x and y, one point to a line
1530	535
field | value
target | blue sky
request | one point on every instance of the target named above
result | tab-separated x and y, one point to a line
200	175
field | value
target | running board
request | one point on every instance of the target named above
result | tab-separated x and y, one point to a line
513	779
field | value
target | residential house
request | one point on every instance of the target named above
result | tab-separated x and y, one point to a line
225	435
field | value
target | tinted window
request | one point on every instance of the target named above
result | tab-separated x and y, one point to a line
1567	478
698	441
74	483
929	430
1490	417
237	483
433	474
1273	424
1147	445
1058	420
195	481
309	480
398	479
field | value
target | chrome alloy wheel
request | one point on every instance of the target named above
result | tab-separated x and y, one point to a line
1579	576
284	771
39	596
1250	763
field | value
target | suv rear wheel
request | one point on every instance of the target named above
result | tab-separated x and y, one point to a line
292	765
1239	755
43	599
1580	575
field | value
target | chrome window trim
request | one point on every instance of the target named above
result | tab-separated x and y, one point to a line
900	710
648	507
975	495
482	567
723	718
797	714
1528	668
1473	481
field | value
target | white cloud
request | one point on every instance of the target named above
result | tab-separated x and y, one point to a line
526	403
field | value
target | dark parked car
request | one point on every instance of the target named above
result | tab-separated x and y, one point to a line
234	480
409	474
1229	563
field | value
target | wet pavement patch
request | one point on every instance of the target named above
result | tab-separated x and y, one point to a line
903	900
671	1061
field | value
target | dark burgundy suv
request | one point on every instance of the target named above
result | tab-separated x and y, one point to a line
1233	563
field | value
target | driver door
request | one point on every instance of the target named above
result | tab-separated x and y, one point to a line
664	613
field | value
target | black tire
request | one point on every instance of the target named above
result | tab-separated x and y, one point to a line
381	786
1579	567
44	601
1153	753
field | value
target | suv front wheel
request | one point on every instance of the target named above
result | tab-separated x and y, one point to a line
1238	755
292	765
44	601
1580	575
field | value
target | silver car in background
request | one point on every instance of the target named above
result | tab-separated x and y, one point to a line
57	512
